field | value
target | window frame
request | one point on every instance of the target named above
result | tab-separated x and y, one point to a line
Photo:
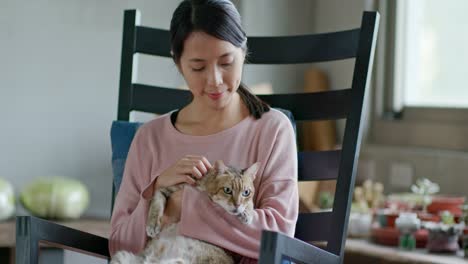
427	127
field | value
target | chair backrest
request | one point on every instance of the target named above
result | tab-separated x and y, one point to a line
339	165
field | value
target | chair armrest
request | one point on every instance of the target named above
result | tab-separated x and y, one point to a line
30	231
276	246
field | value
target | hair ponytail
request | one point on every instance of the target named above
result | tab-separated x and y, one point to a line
256	106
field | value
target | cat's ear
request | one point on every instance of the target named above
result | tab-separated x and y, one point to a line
252	170
220	167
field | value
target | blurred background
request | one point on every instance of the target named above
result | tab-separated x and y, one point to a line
59	73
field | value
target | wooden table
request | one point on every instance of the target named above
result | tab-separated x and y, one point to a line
363	251
98	227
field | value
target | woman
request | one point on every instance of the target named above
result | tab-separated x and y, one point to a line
223	121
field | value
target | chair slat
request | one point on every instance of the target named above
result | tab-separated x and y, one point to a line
153	41
303	49
313	226
268	50
318	165
159	100
328	105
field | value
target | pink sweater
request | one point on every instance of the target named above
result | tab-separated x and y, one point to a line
157	145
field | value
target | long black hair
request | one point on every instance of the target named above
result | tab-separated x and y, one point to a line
218	18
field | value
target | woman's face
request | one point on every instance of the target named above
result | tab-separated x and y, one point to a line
212	69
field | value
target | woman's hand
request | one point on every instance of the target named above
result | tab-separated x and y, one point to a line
183	171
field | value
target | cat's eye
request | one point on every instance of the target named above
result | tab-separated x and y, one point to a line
246	193
227	190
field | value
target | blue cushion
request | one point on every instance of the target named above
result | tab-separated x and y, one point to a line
122	133
290	116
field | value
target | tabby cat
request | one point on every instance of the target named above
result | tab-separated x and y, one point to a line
230	188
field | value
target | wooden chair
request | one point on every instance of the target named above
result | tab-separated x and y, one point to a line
339	165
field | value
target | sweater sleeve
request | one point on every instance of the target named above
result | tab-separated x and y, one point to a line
276	204
128	220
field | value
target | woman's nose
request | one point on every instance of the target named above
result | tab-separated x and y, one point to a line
215	77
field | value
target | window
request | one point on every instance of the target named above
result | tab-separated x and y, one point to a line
420	75
431	53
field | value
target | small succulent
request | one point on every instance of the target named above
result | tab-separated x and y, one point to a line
325	200
447	218
425	188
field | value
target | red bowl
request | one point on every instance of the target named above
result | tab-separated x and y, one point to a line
446	203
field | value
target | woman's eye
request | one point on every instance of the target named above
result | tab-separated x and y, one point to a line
226	64
227	190
246	193
197	69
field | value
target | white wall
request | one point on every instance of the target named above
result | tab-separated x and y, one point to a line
277	18
59	72
337	15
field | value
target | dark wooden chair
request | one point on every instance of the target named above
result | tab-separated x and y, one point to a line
339	165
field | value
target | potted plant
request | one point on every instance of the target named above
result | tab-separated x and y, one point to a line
443	236
425	188
407	224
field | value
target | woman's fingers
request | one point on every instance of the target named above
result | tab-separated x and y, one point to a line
187	179
206	162
203	162
196	172
184	171
196	165
200	158
189	169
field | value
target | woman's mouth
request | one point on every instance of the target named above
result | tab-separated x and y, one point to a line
215	96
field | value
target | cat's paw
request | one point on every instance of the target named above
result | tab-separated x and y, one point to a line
246	217
152	231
